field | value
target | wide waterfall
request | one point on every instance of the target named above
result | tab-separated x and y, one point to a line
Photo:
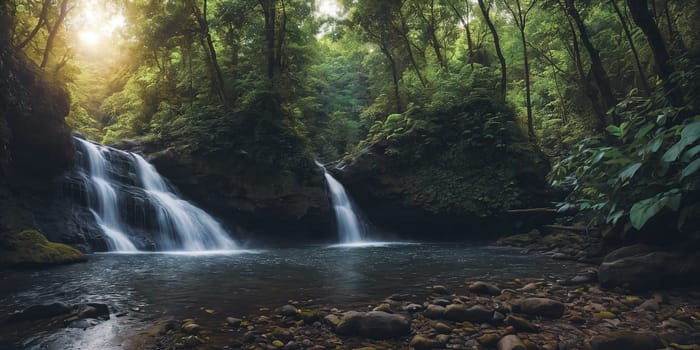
350	229
179	225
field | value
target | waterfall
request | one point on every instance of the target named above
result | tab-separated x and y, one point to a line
350	229
180	225
105	208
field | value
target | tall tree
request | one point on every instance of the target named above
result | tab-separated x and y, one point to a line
485	11
519	13
39	23
597	68
53	32
633	46
643	18
205	36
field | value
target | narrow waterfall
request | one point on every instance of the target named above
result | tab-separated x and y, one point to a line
180	225
350	229
105	206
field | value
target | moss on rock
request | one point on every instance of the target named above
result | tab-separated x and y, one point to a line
30	247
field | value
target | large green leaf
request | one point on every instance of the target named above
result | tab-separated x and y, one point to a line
689	135
629	172
646	209
691	168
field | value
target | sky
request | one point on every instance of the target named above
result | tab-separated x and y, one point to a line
328	8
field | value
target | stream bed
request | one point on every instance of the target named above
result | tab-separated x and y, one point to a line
152	286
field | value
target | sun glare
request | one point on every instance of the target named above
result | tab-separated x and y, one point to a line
97	23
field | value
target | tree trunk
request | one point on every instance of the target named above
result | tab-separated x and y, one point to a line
280	37
599	74
268	7
530	127
39	23
404	34
53	32
394	75
644	20
218	76
465	24
633	47
497	44
588	89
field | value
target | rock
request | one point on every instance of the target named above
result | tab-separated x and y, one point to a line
434	312
233	322
383	307
30	247
413	308
288	310
190	327
540	307
625	340
277	344
520	240
373	324
510	342
637	268
520	324
460	313
649	305
94	310
310	316
442	328
441	302
498	318
488	339
332	320
604	315
484	288
422	343
440	289
38	312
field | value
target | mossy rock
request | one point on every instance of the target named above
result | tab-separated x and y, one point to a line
562	239
520	240
30	247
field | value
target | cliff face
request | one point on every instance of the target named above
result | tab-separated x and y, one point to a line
35	150
264	206
450	174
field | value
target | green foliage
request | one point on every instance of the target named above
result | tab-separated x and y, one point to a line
652	168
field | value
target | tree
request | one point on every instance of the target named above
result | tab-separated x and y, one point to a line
53	31
645	21
519	13
485	11
597	68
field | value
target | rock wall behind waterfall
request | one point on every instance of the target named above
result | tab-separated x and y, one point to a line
273	207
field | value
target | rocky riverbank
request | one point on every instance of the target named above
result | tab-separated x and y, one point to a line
503	315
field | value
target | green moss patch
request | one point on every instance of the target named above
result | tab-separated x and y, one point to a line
30	247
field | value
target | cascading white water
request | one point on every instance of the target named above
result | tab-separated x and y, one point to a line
105	207
350	230
181	225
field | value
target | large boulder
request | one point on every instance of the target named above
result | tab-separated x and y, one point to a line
539	307
625	340
30	247
640	267
373	324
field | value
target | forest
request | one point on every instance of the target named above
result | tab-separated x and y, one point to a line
567	128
